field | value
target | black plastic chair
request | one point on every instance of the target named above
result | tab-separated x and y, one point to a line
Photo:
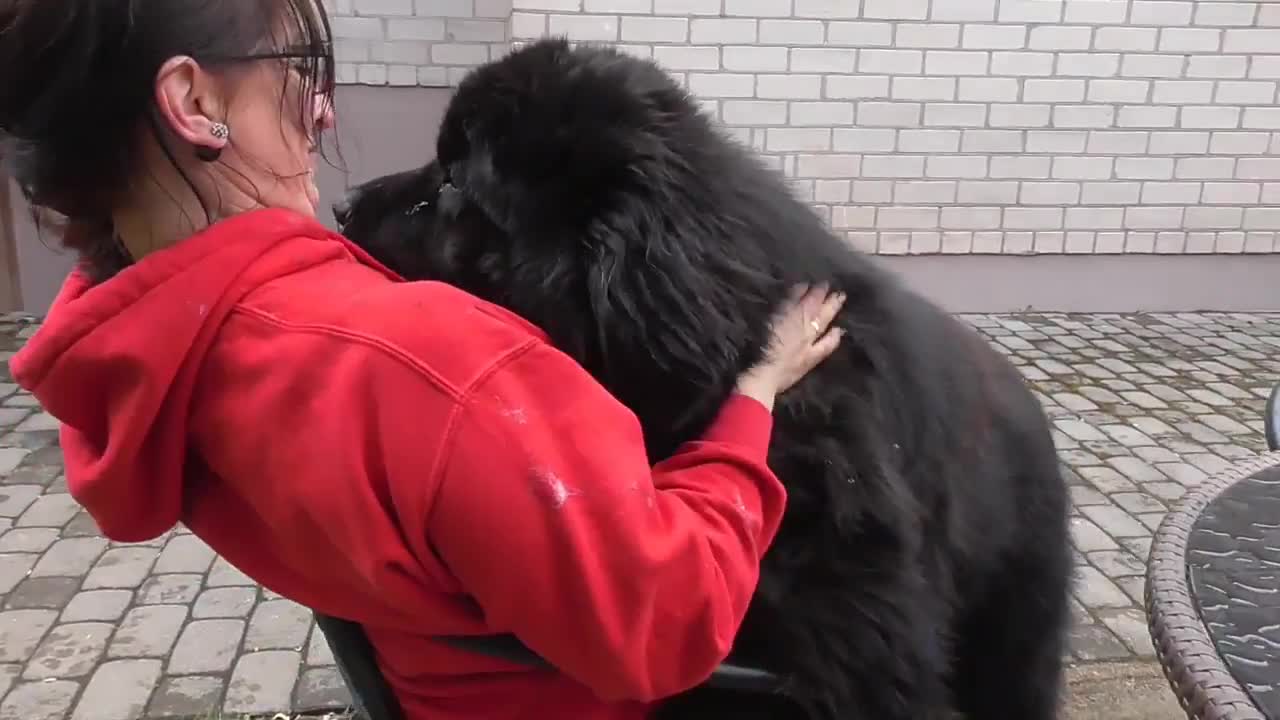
370	692
374	699
1271	419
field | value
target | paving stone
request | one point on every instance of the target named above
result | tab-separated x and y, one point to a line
206	646
38	421
1082	495
191	696
1135	588
1096	642
17	396
1106	479
262	682
1143	400
1226	425
1072	401
1100	395
41	475
1136	469
107	605
52	593
1130	625
148	631
1079	430
1087	537
318	650
1151	520
69	651
1152	427
21	631
321	689
1095	590
227	602
39	701
49	511
1236	452
1127	436
1138	502
11	416
8	677
71	557
1139	546
124	567
1166	491
118	690
178	588
1114	521
82	525
1182	446
28	540
224	574
1079	614
185	554
1106	448
1156	455
35	440
1183	473
278	625
1117	563
1079	458
14	568
15	499
10	458
45	452
1209	463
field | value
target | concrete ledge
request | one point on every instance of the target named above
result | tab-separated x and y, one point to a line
1094	283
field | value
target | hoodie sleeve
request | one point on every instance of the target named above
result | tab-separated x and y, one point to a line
630	579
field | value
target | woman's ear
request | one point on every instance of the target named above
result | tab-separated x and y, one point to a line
186	98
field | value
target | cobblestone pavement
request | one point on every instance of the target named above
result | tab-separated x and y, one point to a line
1145	406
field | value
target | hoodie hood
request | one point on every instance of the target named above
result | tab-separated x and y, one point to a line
116	362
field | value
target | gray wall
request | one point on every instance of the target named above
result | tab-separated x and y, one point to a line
1002	154
986	126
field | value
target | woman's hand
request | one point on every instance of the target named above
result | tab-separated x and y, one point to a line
801	340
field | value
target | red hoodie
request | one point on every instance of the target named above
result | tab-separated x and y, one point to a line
409	457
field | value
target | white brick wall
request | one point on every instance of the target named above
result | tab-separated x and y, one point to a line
985	126
416	42
937	126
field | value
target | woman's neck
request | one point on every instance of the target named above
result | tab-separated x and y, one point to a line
161	208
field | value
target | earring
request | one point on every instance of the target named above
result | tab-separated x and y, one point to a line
220	132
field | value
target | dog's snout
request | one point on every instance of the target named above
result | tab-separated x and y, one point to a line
450	199
342	210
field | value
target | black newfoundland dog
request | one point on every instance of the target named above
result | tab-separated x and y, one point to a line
923	565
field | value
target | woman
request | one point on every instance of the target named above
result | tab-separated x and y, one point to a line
400	454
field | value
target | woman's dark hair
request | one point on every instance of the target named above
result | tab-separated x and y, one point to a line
77	83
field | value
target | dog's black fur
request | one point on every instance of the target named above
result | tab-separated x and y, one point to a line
923	562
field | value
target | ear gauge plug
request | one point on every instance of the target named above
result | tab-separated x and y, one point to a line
209	154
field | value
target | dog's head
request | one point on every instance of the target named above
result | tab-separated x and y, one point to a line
418	225
553	139
585	190
386	214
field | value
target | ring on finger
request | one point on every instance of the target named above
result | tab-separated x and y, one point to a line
816	327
